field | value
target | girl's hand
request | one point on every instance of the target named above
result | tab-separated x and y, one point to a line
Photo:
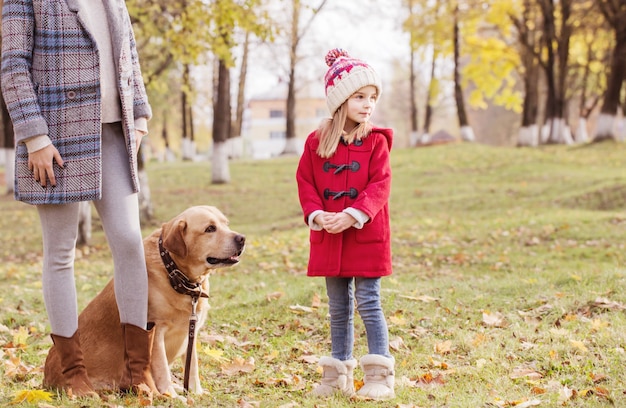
338	222
41	164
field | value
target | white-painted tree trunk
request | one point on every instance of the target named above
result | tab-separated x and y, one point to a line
219	164
235	147
582	136
621	130
414	138
291	147
467	134
188	148
557	131
604	126
425	138
146	211
528	136
9	169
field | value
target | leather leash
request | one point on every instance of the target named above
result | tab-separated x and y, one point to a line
181	284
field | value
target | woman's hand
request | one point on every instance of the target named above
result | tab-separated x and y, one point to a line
41	164
138	138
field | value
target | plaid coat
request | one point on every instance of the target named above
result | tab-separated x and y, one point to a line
357	176
51	85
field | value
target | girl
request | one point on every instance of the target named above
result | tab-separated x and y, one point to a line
344	181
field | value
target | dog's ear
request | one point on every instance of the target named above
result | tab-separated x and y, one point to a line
174	238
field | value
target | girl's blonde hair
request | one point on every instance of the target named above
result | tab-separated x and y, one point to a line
331	131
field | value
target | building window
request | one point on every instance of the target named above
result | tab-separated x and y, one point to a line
278	134
277	113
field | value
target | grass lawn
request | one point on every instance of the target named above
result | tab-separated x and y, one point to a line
508	284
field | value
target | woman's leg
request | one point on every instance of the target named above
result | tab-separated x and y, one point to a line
341	308
119	212
59	227
370	308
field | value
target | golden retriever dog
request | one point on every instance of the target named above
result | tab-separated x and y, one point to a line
198	241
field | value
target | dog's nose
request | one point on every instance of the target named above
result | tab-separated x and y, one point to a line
240	239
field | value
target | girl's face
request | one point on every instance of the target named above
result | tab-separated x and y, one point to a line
360	106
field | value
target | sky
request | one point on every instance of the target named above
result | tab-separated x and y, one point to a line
368	29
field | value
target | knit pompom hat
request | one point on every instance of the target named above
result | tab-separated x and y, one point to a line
345	76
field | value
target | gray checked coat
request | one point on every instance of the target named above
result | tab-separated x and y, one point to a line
51	85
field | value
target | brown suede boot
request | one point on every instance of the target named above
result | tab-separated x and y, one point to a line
71	376
137	377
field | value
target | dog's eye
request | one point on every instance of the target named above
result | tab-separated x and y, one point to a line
211	228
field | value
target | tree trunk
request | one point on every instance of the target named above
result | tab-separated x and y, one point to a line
188	144
221	126
8	148
616	76
528	133
291	85
146	210
237	128
549	35
413	101
467	133
556	129
425	138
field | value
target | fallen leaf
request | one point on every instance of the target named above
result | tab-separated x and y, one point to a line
301	309
316	302
398	320
525	372
422	298
605	303
397	343
565	394
272	356
239	365
31	396
274	296
526	404
214	354
437	364
443	347
494	319
309	358
579	345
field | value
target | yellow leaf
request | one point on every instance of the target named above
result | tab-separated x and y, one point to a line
579	345
217	355
443	347
31	396
397	320
598	324
20	337
272	356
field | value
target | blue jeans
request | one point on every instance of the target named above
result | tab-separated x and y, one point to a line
341	295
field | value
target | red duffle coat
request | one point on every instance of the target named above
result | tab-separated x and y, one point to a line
366	184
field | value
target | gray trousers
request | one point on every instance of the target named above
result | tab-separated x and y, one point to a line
119	212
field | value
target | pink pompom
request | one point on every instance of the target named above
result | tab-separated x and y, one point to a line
334	54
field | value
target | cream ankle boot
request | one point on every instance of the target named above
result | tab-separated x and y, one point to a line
379	377
338	376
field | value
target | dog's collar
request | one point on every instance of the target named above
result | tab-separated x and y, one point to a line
178	280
